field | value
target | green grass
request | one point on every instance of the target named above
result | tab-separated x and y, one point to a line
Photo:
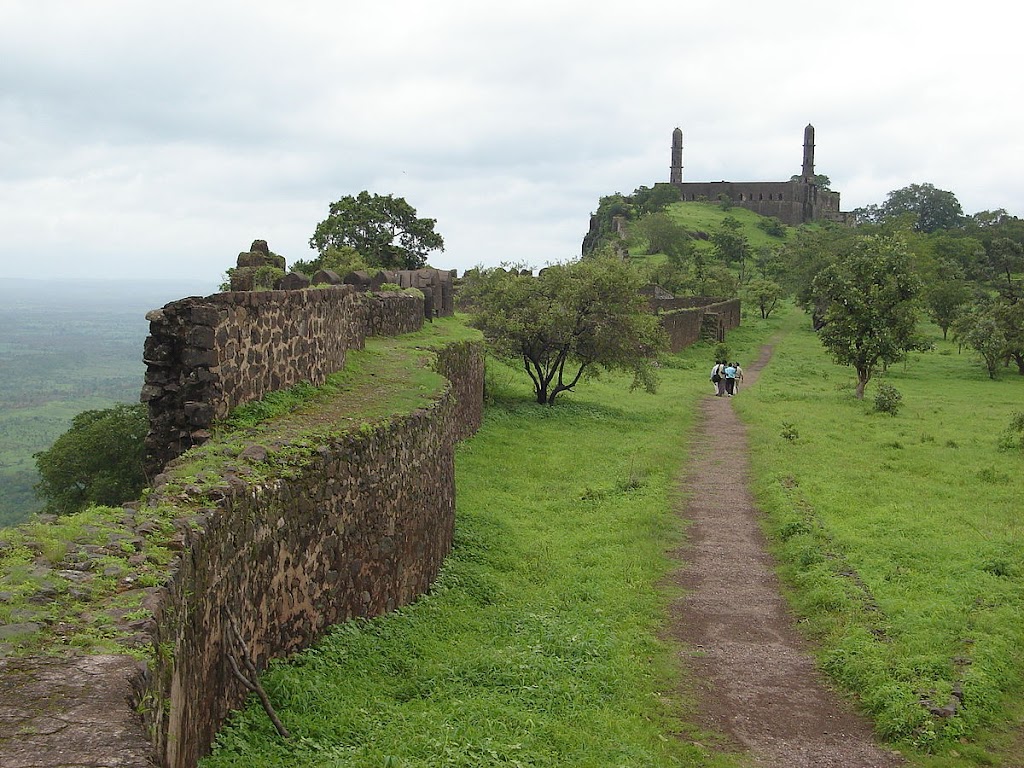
707	218
539	644
900	537
59	606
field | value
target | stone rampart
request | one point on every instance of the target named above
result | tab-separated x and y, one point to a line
687	320
280	539
359	530
205	356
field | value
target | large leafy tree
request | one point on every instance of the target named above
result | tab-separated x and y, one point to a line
570	321
1005	260
731	244
807	253
944	298
764	294
870	305
340	260
99	460
664	235
384	229
1009	314
657	198
980	330
931	207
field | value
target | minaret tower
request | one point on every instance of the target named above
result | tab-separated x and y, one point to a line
807	173
676	170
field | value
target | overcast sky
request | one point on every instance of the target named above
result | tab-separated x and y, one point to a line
158	139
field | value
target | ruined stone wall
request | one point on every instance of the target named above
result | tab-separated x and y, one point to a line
204	356
689	324
682	327
361	530
285	540
792	202
682	302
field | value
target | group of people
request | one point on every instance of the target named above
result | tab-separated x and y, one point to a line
726	377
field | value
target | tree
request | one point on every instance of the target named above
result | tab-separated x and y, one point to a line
570	321
933	208
1005	258
384	229
764	294
944	299
664	235
805	255
339	260
656	198
1009	317
731	244
768	262
99	460
871	314
979	329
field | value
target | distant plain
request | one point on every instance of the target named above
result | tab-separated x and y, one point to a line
66	347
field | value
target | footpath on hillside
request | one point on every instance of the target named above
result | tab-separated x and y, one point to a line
754	677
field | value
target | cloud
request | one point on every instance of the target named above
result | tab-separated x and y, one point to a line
146	139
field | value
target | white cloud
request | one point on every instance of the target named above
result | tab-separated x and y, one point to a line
146	139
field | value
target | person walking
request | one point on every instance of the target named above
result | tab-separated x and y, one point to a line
730	379
737	379
718	377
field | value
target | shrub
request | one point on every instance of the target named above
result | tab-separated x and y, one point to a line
772	226
97	461
267	278
1012	438
888	399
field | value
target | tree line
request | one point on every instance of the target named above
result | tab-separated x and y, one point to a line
864	288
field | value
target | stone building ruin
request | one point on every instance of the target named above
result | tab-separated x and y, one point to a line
798	201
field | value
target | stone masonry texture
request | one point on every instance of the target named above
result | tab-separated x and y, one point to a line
357	527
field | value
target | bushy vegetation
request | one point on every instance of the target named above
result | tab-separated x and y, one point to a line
99	460
570	322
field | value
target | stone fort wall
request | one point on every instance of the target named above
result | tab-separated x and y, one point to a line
284	540
205	356
360	529
792	202
689	319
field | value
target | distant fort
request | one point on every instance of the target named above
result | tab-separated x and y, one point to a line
794	202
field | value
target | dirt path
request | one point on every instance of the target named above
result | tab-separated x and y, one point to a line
755	679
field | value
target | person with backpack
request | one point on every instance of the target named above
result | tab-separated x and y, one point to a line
729	373
718	378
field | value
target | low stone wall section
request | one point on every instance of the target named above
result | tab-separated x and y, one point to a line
361	530
205	356
358	527
686	325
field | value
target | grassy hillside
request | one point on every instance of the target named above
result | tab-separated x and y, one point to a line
901	537
708	217
702	220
